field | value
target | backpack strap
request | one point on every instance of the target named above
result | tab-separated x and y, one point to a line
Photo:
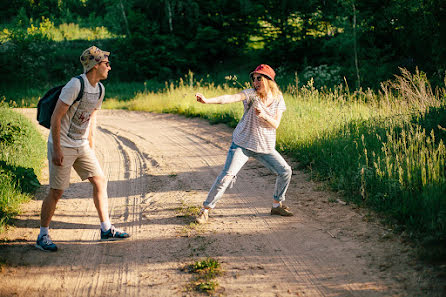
100	90
81	92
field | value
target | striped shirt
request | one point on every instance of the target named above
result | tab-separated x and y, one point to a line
253	133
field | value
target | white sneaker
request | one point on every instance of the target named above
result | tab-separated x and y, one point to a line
203	216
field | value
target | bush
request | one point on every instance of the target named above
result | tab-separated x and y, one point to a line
22	151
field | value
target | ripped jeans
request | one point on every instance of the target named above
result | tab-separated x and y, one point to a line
236	158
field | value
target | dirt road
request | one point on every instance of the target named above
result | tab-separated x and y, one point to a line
160	165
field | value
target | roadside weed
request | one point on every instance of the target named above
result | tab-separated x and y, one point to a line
192	229
187	210
205	271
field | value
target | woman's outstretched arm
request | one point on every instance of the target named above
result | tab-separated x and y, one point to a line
224	99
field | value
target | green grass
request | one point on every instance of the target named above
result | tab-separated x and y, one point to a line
22	151
46	28
205	271
384	150
179	98
187	211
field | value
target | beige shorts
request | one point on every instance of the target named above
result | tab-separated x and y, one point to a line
82	159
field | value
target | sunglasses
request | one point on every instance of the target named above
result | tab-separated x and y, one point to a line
258	78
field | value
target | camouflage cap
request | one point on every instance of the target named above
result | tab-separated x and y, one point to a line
92	56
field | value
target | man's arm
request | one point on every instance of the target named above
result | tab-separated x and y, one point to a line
92	130
59	111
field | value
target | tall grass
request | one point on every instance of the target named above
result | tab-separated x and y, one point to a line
179	98
382	149
22	151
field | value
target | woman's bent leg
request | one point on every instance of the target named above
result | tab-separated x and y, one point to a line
235	160
276	163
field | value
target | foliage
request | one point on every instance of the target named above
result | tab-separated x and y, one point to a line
164	39
22	150
322	75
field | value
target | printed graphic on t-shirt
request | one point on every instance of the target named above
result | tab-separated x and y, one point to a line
81	118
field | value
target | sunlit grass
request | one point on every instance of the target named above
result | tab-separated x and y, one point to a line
46	28
73	31
22	150
180	99
382	149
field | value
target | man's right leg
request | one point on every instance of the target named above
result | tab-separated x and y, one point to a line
44	241
59	180
49	206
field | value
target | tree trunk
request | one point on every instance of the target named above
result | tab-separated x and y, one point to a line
358	77
169	11
125	18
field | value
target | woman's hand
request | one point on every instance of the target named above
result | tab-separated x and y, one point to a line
260	113
269	120
200	98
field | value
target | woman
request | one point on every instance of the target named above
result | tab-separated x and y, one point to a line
254	136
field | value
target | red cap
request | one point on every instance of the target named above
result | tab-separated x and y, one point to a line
264	70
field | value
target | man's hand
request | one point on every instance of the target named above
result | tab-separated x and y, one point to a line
57	157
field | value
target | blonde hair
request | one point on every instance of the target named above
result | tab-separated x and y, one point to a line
273	87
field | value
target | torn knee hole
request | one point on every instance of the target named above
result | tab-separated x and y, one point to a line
229	179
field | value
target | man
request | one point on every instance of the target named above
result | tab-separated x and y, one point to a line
71	143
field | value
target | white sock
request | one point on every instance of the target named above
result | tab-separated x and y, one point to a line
275	205
105	225
43	231
205	209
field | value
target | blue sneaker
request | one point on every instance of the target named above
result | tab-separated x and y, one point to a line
113	234
45	243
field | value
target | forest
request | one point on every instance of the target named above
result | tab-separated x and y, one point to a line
361	43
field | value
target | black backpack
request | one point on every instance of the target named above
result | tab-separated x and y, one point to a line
47	103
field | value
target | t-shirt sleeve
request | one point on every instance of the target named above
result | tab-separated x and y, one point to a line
281	107
249	93
70	91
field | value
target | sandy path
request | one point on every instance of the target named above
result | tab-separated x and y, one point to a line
157	164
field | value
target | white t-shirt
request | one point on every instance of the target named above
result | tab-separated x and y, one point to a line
75	123
253	133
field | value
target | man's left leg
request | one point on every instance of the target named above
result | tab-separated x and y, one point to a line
87	166
100	198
